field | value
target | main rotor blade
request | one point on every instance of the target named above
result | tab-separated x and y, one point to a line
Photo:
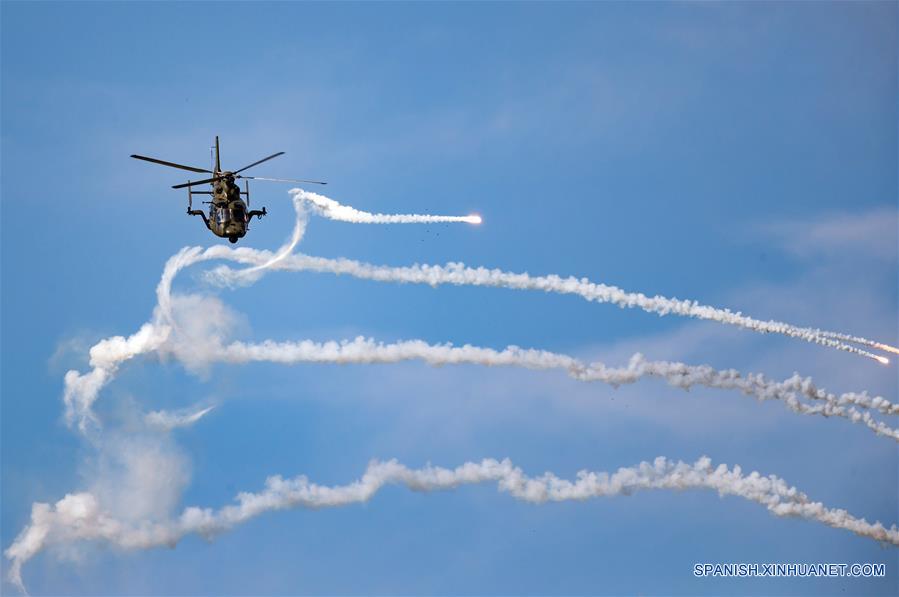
172	164
274	155
283	179
195	182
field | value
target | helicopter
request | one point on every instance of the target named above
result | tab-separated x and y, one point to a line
228	215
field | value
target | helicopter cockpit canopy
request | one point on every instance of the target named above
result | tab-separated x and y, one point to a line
236	213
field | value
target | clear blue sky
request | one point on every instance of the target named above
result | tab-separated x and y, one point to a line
705	151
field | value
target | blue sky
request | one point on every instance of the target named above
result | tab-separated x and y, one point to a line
711	151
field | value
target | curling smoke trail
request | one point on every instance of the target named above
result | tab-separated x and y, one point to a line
82	390
364	350
79	517
329	208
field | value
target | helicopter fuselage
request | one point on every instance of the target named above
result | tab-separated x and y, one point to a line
227	212
228	215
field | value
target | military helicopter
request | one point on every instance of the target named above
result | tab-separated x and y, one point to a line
228	216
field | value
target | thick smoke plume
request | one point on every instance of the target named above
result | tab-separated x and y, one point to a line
79	517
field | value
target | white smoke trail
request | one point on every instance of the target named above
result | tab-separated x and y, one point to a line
460	275
861	341
362	350
329	208
80	517
365	350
